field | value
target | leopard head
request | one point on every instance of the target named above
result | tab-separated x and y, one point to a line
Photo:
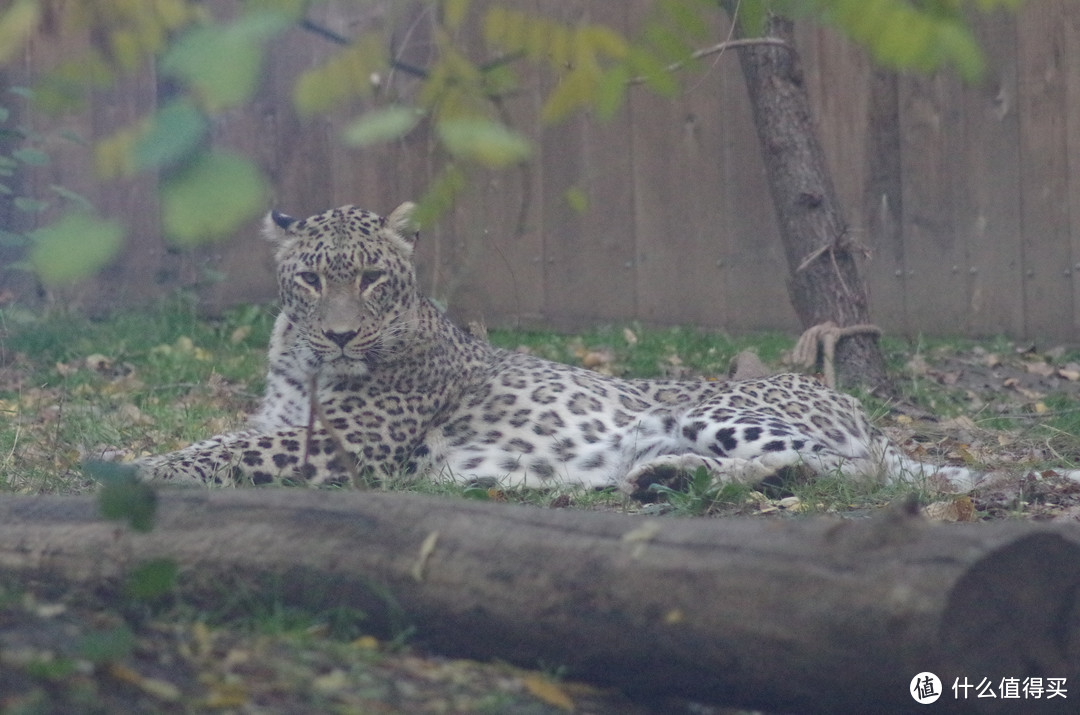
347	284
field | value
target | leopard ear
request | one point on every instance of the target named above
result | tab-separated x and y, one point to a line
400	222
275	226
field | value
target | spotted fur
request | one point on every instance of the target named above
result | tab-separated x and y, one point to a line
400	390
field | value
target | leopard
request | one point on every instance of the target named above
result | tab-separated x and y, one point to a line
369	380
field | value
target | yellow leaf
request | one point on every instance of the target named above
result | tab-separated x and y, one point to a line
546	691
353	72
454	12
366	643
575	90
16	25
577	199
114	155
226	696
602	39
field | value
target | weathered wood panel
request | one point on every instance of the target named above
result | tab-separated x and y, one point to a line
755	274
681	240
930	132
1069	24
988	178
964	197
1044	179
883	204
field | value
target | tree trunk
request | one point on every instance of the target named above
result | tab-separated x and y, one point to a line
824	281
787	615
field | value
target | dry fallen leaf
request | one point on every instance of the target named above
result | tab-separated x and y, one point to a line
1039	368
546	691
917	365
792	504
597	358
240	334
960	422
959	509
1070	372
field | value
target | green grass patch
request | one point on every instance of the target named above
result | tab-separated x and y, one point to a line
72	388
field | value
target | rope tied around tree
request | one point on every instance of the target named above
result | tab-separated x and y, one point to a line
823	337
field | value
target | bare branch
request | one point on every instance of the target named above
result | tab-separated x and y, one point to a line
715	49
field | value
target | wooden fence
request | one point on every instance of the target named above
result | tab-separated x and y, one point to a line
965	198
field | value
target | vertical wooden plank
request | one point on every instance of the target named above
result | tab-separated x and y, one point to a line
497	272
681	242
1045	200
837	78
143	268
16	286
988	186
309	168
1070	27
755	269
292	154
930	122
883	204
855	105
589	256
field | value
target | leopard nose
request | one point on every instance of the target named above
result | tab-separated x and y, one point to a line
340	339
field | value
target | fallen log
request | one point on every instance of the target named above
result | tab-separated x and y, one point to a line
793	614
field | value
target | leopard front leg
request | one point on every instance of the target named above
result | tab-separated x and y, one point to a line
292	456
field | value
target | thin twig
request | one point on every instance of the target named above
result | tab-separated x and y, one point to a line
719	47
316	411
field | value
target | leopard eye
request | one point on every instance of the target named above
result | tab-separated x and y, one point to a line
368	278
310	279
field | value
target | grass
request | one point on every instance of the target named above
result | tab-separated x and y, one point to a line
72	388
152	381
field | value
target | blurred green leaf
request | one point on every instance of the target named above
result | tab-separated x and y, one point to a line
109	646
31	156
577	199
29	205
921	36
152	579
17	22
483	141
610	91
644	63
382	125
123	497
440	196
223	63
211	198
454	12
74	247
175	131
